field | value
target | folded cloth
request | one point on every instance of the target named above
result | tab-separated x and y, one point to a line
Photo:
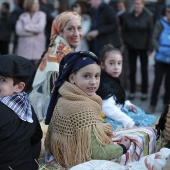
143	142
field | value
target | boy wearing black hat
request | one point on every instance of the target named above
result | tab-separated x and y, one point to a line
20	131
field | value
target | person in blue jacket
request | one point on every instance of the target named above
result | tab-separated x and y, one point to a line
161	43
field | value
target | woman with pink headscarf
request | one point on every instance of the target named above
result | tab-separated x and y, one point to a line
66	34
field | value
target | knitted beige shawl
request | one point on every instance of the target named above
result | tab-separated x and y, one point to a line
75	116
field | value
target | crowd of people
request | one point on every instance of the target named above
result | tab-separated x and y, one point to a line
69	70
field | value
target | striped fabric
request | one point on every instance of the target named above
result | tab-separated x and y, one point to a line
20	104
143	142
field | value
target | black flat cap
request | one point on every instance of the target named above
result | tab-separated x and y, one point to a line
17	67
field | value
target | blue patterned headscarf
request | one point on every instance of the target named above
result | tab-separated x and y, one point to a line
68	65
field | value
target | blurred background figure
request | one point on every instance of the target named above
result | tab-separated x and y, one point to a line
65	5
121	11
137	31
105	27
14	15
121	14
30	29
159	9
48	9
161	42
82	8
56	8
5	28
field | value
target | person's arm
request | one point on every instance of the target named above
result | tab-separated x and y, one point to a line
37	136
125	29
106	152
86	24
113	112
150	30
156	33
39	26
20	29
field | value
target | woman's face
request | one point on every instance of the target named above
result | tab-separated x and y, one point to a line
77	8
35	6
72	32
138	6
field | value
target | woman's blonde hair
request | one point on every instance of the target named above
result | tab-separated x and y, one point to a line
61	20
28	5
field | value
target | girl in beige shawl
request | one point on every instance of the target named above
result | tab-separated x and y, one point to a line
76	132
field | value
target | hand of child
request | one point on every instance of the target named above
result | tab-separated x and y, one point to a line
133	109
134	127
92	34
126	142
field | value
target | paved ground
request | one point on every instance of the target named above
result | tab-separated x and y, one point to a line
145	104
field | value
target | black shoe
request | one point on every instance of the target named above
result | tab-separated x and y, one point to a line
131	96
144	97
151	109
167	145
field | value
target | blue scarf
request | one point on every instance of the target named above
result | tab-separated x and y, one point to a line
20	104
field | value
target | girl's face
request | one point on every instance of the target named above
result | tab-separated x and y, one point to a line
72	32
87	78
35	6
113	64
7	88
77	8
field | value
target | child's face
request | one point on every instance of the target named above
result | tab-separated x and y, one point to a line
113	64
7	88
87	78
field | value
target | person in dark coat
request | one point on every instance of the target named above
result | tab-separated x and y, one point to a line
49	19
5	33
159	12
137	32
14	15
161	43
20	131
105	27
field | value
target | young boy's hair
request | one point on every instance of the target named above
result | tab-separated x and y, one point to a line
15	80
108	48
18	68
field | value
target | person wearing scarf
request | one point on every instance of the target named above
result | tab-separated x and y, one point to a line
48	69
76	132
20	131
